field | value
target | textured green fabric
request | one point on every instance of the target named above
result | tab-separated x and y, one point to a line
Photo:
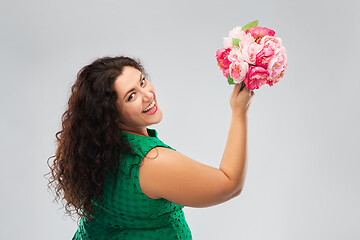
132	215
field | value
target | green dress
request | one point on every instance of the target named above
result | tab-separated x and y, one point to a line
132	215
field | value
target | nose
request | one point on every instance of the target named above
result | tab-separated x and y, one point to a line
148	96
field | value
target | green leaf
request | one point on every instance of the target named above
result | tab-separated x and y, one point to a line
230	80
250	25
235	42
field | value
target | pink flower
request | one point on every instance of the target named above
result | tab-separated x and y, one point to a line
245	40
257	76
269	41
238	71
250	52
281	74
277	66
270	47
234	33
246	51
258	59
259	32
223	61
263	57
236	55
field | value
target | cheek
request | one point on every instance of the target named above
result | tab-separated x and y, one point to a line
127	117
132	109
153	88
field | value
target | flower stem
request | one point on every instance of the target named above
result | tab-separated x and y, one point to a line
242	86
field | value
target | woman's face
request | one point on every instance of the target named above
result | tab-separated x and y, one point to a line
135	94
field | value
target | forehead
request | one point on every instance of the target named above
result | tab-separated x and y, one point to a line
127	80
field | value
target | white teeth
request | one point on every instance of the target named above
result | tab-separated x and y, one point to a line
151	105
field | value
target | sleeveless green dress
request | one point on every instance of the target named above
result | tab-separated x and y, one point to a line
131	215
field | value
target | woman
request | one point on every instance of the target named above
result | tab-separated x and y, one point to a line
118	176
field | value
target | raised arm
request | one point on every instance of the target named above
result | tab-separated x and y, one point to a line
173	176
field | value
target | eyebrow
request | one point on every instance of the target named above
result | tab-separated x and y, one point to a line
132	88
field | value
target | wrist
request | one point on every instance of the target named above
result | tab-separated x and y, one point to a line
239	115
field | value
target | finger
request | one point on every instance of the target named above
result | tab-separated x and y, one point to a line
236	89
246	90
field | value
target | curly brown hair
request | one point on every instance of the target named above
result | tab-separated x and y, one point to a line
89	144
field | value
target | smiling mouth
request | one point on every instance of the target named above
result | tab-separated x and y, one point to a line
151	105
152	110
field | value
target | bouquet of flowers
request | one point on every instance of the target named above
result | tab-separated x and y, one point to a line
252	56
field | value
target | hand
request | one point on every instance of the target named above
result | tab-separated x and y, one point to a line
240	100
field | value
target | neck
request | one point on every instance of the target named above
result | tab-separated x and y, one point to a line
141	132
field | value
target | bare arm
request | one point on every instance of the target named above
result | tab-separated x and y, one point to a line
234	160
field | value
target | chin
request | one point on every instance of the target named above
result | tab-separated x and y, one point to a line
160	116
156	118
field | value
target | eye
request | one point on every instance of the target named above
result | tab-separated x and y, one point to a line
130	97
143	81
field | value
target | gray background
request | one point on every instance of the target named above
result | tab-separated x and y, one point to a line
302	180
